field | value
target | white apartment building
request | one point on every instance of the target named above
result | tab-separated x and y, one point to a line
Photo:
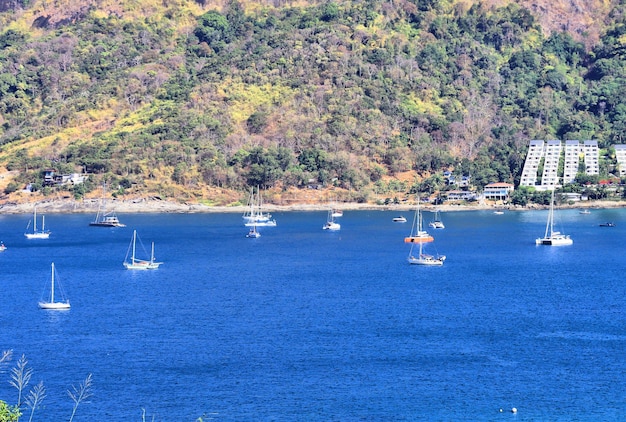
572	152
590	151
572	158
531	165
552	156
620	155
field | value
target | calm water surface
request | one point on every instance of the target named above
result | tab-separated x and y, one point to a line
304	324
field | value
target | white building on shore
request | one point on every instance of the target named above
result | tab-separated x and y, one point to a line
561	163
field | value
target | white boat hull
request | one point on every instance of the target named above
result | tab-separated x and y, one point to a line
427	260
142	265
555	241
270	223
54	305
37	235
332	226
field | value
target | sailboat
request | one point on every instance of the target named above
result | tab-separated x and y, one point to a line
254	215
104	218
418	235
253	233
551	237
421	237
330	222
139	264
41	234
423	258
437	223
51	304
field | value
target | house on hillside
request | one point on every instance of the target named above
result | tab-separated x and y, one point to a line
52	178
499	191
460	195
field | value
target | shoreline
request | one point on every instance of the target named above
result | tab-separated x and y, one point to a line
155	206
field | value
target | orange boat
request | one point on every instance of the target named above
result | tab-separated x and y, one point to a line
420	237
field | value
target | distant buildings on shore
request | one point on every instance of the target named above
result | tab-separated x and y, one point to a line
559	162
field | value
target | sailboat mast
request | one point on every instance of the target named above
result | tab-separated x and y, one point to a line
52	285
134	240
152	254
35	221
549	224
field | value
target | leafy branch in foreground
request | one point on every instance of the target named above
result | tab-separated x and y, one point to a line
34	398
20	377
83	392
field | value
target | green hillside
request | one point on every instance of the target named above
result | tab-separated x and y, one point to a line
190	101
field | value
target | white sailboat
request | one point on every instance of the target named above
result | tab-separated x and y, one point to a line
330	223
552	237
139	264
105	218
337	212
37	234
51	304
437	223
423	258
417	239
254	215
253	233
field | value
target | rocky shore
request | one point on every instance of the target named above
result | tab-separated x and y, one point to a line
152	205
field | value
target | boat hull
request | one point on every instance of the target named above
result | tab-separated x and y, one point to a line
427	260
270	223
106	224
331	226
37	235
58	306
555	241
142	265
418	239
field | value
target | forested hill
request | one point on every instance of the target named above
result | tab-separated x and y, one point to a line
186	99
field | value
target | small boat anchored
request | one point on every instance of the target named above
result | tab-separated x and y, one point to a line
254	215
437	223
253	233
139	264
552	237
400	219
51	304
421	237
330	223
418	235
37	234
104	218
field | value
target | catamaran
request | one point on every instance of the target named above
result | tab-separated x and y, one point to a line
552	237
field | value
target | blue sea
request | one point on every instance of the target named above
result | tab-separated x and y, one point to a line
306	324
